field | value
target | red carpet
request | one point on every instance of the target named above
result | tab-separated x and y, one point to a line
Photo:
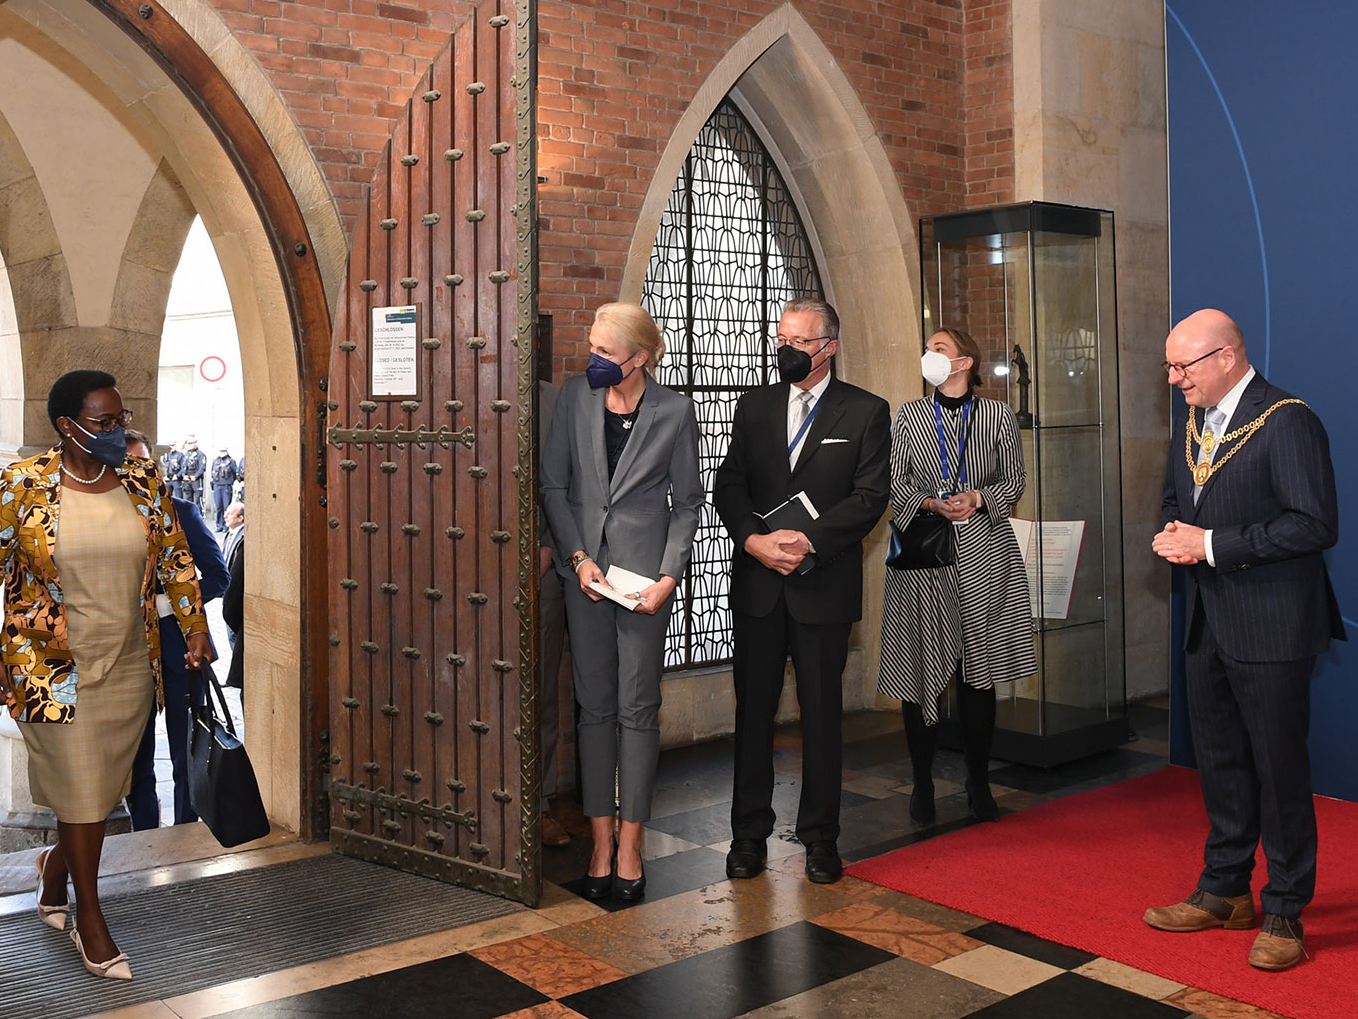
1081	871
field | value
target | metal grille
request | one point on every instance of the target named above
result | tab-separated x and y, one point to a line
729	253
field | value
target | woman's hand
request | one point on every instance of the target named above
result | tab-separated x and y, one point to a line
7	694
957	507
200	650
588	573
650	599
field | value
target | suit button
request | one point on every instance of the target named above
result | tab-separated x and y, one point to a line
604	508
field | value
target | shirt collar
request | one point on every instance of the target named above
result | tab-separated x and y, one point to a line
816	391
1231	400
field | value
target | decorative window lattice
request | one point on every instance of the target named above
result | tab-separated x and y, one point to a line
729	253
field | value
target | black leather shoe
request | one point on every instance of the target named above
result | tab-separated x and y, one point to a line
823	865
922	809
629	891
600	887
746	858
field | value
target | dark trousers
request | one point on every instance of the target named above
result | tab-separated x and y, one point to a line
762	646
221	495
1249	724
143	803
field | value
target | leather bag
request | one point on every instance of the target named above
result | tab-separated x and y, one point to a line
925	543
222	785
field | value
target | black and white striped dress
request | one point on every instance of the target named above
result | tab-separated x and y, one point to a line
976	611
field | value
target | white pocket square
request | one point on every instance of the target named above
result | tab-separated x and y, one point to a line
826	442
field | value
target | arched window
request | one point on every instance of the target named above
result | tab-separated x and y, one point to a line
729	253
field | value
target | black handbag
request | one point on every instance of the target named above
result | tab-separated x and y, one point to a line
222	786
926	543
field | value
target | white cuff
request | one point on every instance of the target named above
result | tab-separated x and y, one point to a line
1207	544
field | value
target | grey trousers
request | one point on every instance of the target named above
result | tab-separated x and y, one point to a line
616	657
551	637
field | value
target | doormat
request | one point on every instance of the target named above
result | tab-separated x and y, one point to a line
1081	870
195	934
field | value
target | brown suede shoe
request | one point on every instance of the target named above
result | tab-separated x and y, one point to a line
1279	944
552	832
1203	910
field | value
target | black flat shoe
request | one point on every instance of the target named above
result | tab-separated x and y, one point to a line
922	803
823	865
629	891
746	858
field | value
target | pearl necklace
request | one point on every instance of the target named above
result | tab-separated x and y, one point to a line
84	481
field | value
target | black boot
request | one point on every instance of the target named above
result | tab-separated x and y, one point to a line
976	713
921	739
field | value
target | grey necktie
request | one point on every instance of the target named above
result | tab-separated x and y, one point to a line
799	412
1213	421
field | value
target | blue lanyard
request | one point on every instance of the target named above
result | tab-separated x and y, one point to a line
805	425
962	437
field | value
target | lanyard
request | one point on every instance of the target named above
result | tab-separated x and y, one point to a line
805	425
963	435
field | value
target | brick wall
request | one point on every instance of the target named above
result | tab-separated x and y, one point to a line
614	77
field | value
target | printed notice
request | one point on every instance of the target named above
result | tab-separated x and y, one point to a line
1051	551
395	352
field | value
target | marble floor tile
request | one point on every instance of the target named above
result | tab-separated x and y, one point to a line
876	786
998	969
897	933
1214	1006
1148	985
922	909
547	1010
1034	947
666	876
1077	997
548	965
655	844
560	907
776	849
889	990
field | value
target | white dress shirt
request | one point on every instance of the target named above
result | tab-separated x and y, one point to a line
816	391
1227	406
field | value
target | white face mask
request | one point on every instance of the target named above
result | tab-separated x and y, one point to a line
937	367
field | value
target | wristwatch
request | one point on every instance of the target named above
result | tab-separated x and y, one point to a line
579	559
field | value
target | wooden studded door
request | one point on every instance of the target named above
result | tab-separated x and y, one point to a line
432	763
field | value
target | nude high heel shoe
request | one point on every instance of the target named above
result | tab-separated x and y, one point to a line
53	916
117	968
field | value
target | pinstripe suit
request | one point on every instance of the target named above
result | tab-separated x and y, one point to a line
1256	621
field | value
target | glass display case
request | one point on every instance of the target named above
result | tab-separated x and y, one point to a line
1034	284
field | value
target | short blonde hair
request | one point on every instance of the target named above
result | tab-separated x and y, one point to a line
633	324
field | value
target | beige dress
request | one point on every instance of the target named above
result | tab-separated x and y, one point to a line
83	769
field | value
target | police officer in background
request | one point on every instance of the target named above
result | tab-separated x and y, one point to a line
224	474
172	463
191	472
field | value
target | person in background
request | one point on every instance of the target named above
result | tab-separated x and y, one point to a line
192	468
172	465
233	601
224	474
621	485
551	637
1249	508
143	803
84	536
814	434
958	455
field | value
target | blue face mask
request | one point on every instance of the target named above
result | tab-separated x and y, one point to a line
106	447
602	372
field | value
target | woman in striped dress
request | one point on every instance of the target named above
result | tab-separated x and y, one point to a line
972	620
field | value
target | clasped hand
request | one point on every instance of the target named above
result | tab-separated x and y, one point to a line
781	551
959	506
1180	543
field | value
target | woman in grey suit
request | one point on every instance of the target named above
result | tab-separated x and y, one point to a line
620	485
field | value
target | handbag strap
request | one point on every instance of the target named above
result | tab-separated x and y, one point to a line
207	676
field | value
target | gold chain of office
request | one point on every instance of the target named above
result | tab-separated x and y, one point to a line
1202	472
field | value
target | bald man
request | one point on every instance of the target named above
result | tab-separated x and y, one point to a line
1249	508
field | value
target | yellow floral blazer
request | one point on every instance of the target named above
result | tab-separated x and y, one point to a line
35	648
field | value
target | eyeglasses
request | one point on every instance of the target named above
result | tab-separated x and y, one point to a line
801	343
1182	369
111	421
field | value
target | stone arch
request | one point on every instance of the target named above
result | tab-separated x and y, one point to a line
786	81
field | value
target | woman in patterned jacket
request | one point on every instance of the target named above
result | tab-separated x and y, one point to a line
958	455
81	654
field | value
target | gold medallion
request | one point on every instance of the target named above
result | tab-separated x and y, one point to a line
1201	473
1209	442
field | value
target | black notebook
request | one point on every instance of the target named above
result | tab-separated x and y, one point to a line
794	515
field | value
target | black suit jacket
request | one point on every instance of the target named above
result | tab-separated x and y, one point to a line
233	612
847	478
1272	511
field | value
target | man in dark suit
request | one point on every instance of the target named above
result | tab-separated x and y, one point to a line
233	600
810	433
143	803
1249	508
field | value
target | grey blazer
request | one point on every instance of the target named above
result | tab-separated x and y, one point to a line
650	509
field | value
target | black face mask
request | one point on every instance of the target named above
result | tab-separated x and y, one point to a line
794	364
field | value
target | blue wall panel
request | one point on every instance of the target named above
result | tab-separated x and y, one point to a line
1263	222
